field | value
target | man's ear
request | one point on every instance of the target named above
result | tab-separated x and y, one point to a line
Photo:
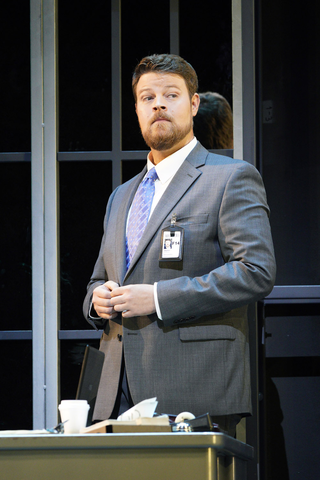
195	102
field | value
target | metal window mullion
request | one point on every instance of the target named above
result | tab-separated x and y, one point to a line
51	237
15	157
44	212
37	182
116	92
249	81
237	106
174	27
243	71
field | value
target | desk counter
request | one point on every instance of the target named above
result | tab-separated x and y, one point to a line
138	456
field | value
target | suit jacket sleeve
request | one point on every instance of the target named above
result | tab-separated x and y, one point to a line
245	241
99	277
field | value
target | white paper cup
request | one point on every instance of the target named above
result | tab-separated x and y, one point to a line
75	414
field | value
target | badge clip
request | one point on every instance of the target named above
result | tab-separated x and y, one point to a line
171	248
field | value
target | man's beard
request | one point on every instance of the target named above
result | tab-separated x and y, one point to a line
164	137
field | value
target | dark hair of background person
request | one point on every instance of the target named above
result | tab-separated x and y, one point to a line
213	124
165	63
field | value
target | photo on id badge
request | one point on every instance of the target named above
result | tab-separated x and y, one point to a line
171	244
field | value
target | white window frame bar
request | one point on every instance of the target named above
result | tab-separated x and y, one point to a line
244	132
44	180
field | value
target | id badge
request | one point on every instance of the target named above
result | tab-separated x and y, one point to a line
171	248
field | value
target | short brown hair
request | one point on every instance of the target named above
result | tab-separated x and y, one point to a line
166	63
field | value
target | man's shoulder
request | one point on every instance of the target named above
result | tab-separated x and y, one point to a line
201	156
222	166
222	159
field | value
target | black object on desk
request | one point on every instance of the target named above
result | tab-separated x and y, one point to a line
203	423
90	378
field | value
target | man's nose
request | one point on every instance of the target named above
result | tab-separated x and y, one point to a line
159	104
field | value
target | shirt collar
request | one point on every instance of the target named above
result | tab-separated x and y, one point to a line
170	165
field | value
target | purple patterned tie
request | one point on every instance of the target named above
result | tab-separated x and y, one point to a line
139	214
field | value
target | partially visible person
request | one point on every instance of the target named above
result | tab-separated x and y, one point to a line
213	124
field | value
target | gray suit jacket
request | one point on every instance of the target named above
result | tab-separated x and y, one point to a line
197	357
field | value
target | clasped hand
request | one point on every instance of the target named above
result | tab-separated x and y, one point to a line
132	300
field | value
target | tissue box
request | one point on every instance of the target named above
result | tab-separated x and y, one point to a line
143	424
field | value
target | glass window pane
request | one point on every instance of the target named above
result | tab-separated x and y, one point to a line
84	75
15	246
146	33
15	119
290	145
206	43
16	385
84	191
130	168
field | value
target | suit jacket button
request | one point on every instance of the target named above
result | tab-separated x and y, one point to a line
179	320
119	337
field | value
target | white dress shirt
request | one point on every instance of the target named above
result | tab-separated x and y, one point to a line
166	170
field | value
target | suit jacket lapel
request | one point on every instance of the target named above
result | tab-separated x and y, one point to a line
120	236
181	182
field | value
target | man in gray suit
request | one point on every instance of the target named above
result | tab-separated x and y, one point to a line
175	321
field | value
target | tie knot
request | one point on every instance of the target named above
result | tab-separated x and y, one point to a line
152	174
